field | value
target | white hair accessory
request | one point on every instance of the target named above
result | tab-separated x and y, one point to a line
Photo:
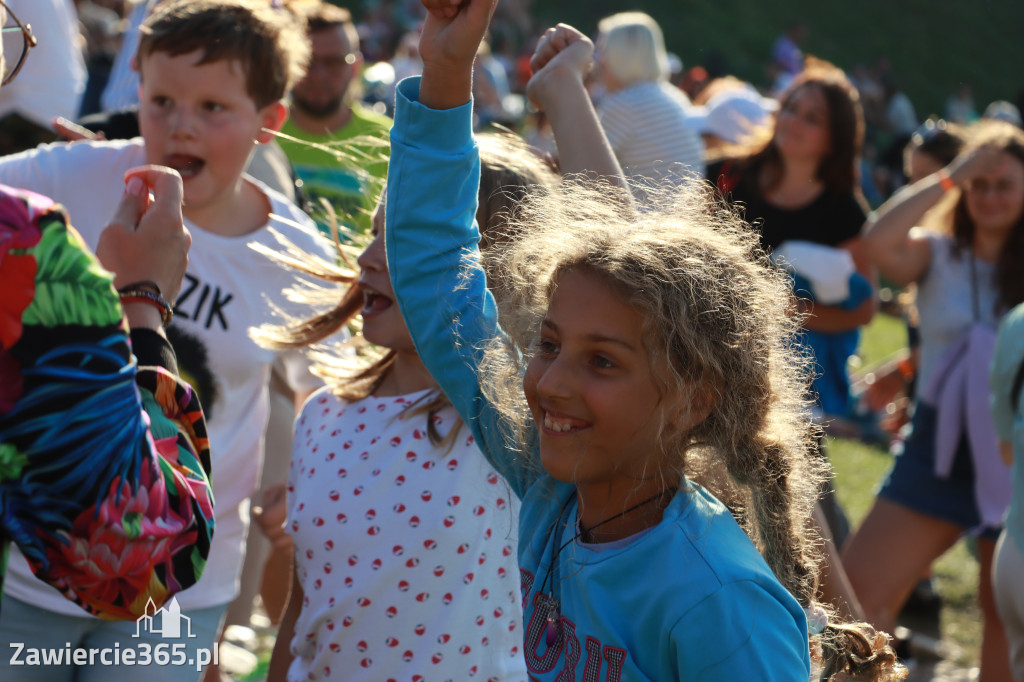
817	619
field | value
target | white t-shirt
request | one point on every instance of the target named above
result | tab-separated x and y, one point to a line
406	553
649	130
228	288
945	301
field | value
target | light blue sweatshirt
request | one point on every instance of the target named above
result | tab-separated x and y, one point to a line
690	599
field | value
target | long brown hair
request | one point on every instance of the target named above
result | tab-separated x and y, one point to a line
1008	280
838	169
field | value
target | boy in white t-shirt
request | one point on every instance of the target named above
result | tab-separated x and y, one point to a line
213	74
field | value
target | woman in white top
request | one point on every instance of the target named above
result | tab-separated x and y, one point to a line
645	118
949	479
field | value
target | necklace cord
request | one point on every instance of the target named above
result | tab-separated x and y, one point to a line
583	530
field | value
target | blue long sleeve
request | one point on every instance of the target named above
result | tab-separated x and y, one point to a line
698	557
431	237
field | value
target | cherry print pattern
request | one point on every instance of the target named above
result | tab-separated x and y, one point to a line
409	548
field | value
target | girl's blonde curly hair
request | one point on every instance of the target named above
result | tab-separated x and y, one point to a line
719	320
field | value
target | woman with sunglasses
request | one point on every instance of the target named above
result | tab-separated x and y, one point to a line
950	479
104	462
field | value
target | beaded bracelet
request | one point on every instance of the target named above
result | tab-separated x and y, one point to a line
143	284
945	182
146	296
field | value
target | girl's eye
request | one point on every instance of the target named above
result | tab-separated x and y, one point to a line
213	107
601	362
547	347
161	101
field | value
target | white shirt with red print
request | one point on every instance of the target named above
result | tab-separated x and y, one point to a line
406	552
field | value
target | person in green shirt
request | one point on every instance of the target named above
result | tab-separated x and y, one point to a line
338	148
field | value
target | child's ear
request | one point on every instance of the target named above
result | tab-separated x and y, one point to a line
272	117
696	406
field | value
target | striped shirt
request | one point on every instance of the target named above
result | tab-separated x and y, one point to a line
647	128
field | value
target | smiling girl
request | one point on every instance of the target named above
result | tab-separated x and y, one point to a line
949	479
404	535
651	349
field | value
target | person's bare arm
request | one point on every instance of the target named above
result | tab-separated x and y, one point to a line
901	256
281	658
448	45
560	63
833	319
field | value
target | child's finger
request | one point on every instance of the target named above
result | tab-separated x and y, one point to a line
544	52
557	40
478	11
560	38
441	8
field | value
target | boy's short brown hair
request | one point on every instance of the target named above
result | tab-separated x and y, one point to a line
270	43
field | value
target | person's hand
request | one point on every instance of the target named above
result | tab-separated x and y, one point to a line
442	9
973	163
562	53
883	387
72	132
147	239
272	513
451	37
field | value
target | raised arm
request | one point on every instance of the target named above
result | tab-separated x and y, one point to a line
561	61
450	40
431	236
901	256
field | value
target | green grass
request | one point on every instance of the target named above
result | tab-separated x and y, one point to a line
859	470
883	337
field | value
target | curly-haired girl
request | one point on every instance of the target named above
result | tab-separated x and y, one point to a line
652	350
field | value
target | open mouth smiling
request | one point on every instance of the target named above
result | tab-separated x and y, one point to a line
557	424
374	302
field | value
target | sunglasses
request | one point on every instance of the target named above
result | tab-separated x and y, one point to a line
930	130
17	41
